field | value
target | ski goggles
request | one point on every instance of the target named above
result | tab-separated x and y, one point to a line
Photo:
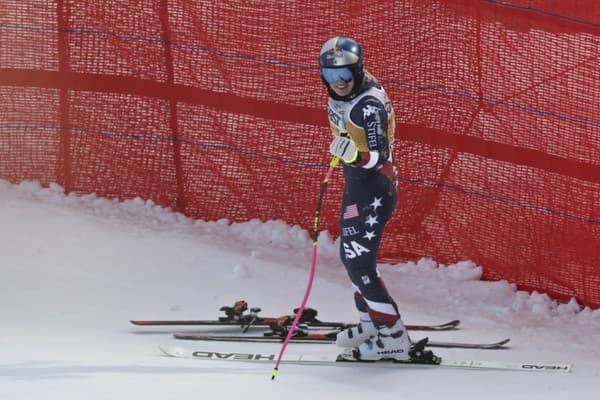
333	75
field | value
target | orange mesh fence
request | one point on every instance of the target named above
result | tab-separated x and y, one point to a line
216	109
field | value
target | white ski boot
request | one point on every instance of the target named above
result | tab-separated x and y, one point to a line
389	342
354	336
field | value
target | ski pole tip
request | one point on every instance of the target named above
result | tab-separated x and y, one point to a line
274	374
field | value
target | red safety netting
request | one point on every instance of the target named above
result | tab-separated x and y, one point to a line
216	109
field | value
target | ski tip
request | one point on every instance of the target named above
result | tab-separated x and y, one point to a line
172	350
164	351
450	325
145	322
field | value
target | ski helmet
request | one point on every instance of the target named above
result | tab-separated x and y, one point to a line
341	58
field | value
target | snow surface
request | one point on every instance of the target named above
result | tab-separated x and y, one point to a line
76	269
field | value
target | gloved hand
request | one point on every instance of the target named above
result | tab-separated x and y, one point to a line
345	148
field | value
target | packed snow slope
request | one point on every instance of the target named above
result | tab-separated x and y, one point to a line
76	269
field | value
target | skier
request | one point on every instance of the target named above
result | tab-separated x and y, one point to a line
362	120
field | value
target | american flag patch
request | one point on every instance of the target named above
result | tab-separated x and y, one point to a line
351	211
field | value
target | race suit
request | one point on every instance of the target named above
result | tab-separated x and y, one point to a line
369	197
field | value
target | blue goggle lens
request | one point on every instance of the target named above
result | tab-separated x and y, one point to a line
333	75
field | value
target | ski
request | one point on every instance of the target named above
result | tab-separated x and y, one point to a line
236	316
308	337
174	350
285	320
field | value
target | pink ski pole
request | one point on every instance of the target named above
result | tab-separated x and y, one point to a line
334	162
